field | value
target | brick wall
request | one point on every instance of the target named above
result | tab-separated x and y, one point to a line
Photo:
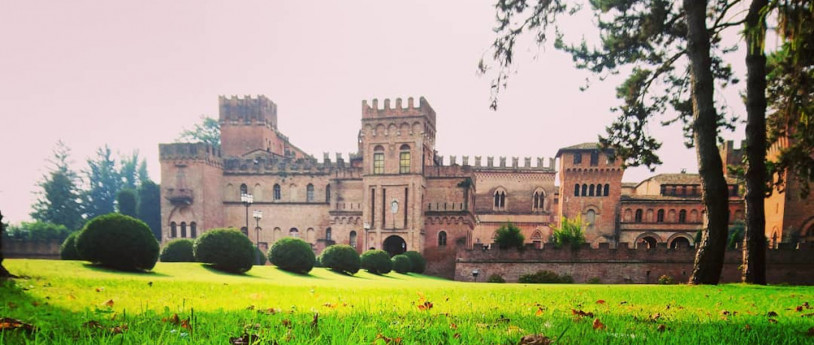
31	249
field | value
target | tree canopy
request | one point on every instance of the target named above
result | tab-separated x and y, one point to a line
208	131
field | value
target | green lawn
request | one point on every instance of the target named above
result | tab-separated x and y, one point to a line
73	303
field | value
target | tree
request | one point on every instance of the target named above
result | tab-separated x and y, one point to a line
4	273
130	170
149	206
509	236
208	131
126	202
569	233
664	47
104	182
58	200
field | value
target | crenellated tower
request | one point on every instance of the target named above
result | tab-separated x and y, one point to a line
250	124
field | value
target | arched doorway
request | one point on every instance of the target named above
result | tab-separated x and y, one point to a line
395	245
680	242
647	242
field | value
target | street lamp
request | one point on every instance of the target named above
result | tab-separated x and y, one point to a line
258	215
247	200
475	273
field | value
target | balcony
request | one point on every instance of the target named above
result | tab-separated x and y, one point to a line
180	196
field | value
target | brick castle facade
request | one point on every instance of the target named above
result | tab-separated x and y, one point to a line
396	193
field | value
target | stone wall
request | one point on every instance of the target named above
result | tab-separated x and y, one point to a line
626	265
31	249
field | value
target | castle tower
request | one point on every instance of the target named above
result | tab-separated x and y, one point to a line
249	124
191	192
395	143
590	187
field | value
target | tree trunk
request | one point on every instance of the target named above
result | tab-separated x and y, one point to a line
710	254
754	249
4	273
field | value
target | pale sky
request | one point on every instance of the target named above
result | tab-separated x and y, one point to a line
133	74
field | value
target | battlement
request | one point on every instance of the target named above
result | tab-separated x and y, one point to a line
373	111
502	164
190	151
276	165
247	110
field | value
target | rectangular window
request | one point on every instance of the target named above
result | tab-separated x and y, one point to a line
373	207
594	158
404	163
378	163
578	158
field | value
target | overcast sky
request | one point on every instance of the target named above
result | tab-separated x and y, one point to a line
135	74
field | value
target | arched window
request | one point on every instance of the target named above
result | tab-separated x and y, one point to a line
576	190
277	193
639	216
309	193
328	234
442	238
584	190
294	232
607	189
599	190
682	216
193	230
648	242
404	159
378	160
173	231
539	201
590	218
660	216
328	194
591	190
500	200
184	229
243	189
352	239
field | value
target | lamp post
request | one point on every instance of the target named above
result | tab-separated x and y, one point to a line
257	214
475	274
247	200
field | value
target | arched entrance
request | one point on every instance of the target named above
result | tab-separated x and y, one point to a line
395	245
680	242
647	242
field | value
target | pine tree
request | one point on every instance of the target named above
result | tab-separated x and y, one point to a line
149	207
126	202
58	201
104	182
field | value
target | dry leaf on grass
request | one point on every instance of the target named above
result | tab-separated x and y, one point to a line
535	339
13	324
108	303
581	313
601	301
598	324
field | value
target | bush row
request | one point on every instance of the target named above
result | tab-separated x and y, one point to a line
545	277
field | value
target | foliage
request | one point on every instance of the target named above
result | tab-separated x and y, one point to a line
666	279
569	233
401	264
58	202
495	278
545	277
208	131
118	241
594	280
67	251
293	255
376	261
224	249
417	262
509	236
179	250
126	202
341	258
259	257
104	182
149	206
132	171
38	232
4	273
736	234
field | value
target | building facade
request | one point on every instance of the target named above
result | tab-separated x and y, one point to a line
396	193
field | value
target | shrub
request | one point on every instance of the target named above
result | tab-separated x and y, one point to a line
259	257
594	280
666	280
37	232
545	277
341	258
401	264
118	241
224	249
293	255
495	278
509	236
68	249
569	233
376	261
179	250
417	262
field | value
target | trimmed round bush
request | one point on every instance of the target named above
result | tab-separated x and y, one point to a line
259	257
376	261
179	250
495	278
341	258
68	249
119	242
401	264
225	249
293	255
417	261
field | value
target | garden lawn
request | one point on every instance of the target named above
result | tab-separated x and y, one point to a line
71	302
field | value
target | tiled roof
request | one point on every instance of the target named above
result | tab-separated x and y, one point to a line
579	147
681	178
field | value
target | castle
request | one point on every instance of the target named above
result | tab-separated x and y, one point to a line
396	193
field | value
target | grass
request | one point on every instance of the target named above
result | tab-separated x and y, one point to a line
70	303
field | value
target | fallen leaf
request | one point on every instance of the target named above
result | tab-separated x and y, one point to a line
534	339
771	314
387	340
725	312
772	321
92	324
329	305
622	302
661	328
581	313
12	324
35	303
539	312
185	324
244	339
503	319
601	301
174	319
807	315
287	323
251	307
118	329
108	303
810	332
456	335
598	324
150	284
100	289
655	317
426	306
452	325
747	327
